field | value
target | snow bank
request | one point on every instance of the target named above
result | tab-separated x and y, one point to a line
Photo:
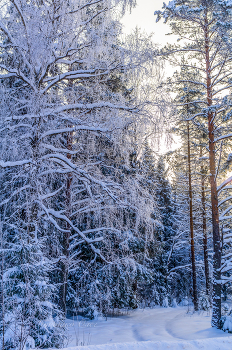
228	324
202	344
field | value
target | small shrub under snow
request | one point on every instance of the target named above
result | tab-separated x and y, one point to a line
227	326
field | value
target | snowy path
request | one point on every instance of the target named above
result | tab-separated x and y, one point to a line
159	324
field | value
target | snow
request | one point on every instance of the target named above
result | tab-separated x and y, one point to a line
159	329
223	137
206	344
228	324
13	164
226	182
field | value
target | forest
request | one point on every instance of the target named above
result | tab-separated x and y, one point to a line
96	216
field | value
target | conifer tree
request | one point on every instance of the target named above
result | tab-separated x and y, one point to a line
42	172
202	24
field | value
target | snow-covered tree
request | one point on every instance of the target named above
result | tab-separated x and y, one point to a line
204	28
71	202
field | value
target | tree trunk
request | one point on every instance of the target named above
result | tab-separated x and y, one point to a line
68	205
2	315
216	314
194	276
205	240
68	202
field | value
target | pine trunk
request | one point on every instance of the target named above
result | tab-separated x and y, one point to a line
205	239
216	313
194	275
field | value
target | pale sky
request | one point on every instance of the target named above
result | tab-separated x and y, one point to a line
143	17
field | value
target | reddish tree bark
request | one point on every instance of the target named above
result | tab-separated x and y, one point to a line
193	261
205	239
216	316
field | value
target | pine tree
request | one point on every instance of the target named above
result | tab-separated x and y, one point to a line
202	24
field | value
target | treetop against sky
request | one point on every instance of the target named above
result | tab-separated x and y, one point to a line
143	17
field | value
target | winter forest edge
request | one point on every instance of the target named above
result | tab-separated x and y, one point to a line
93	216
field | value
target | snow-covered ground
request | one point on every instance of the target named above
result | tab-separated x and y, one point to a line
202	344
149	329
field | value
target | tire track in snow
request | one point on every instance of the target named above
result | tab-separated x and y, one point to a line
169	325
